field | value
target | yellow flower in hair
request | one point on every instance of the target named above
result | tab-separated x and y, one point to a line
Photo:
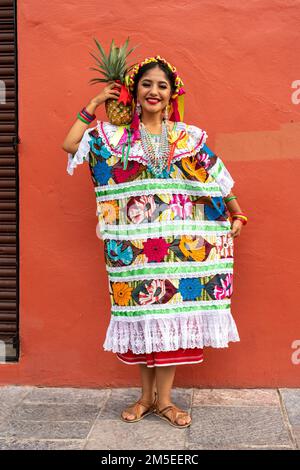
134	70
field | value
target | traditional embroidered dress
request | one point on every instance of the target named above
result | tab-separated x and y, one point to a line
168	252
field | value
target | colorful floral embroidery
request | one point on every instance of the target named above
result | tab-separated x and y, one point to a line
173	248
120	252
224	245
156	249
193	247
109	211
192	167
161	269
162	291
182	143
98	147
225	289
190	289
181	205
102	172
155	291
121	176
141	208
121	293
216	209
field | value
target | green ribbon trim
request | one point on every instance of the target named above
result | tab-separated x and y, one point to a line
134	229
169	270
157	185
124	158
139	312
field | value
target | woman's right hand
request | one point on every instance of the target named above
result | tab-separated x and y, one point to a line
107	93
71	142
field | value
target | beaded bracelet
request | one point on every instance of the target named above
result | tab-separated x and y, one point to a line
85	116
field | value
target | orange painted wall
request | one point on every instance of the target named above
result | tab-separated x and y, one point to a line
238	60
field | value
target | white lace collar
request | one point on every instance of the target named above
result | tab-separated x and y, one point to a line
194	141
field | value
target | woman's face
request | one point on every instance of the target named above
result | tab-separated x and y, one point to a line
154	90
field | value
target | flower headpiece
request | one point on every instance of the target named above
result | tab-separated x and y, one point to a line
177	99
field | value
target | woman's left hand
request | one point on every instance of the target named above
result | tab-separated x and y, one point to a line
236	228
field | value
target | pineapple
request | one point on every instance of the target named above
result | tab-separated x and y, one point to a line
113	67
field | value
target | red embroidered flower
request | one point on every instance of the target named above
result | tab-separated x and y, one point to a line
121	176
156	249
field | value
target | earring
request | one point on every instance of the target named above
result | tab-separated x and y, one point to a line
138	109
166	113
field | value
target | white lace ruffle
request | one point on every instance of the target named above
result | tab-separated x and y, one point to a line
168	306
196	140
215	329
224	178
205	268
82	153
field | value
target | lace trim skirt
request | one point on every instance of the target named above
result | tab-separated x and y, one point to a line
163	358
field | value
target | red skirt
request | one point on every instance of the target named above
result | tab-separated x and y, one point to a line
163	358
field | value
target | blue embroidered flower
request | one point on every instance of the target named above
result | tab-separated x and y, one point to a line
115	252
102	172
97	146
213	213
190	288
93	142
104	152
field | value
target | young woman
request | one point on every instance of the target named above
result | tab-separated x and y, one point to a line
168	218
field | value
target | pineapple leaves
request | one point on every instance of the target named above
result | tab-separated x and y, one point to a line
113	65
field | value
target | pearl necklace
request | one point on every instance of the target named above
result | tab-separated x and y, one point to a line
157	158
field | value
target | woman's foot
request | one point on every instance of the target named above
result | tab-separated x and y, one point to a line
139	410
174	415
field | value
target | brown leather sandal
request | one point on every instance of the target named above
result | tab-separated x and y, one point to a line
176	413
136	410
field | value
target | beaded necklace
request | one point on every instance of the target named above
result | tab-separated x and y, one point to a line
156	155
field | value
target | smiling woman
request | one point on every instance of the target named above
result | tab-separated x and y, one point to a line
161	195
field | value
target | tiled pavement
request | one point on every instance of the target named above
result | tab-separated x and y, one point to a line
72	418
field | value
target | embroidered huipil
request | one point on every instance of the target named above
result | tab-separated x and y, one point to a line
168	252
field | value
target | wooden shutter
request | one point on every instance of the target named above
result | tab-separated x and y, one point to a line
9	249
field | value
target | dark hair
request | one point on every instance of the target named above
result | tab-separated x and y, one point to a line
149	66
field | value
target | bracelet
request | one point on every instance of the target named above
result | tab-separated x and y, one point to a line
82	119
243	218
85	116
228	198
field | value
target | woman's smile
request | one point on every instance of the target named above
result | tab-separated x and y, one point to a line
153	100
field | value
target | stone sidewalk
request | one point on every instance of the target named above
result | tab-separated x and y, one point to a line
74	418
